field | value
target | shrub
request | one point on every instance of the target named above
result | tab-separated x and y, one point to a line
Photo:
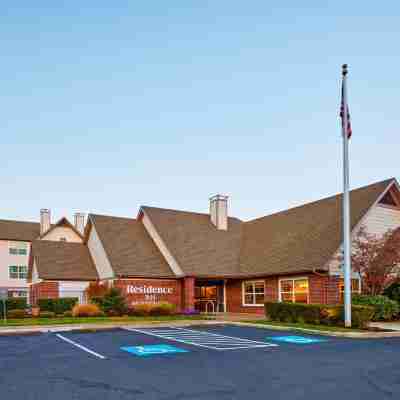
393	291
67	314
13	304
16	314
96	290
163	308
58	306
317	313
47	314
85	310
141	310
384	308
111	301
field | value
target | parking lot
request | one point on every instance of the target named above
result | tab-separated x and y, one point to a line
213	362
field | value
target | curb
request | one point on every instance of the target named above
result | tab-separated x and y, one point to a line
352	335
37	330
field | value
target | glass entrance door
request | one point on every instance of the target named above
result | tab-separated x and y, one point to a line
209	296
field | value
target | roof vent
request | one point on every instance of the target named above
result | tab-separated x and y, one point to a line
219	211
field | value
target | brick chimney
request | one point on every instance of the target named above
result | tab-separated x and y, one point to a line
79	222
219	211
45	222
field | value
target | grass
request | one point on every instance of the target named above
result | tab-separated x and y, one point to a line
298	325
98	320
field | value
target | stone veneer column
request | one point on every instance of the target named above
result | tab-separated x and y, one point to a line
188	293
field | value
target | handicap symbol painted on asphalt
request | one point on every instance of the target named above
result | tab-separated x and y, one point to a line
152	349
297	339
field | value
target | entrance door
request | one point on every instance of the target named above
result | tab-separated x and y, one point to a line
209	296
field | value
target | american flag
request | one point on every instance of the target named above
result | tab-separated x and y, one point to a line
342	107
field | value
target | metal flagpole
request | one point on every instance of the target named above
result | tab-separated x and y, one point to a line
346	205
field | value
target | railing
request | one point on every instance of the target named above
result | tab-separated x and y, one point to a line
206	305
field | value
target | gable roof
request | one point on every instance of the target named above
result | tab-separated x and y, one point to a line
62	261
63	221
303	238
197	245
19	230
129	248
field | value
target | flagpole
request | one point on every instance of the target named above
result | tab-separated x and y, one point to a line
346	205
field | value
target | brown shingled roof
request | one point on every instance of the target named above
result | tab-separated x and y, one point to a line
19	230
293	241
129	248
62	261
302	238
198	246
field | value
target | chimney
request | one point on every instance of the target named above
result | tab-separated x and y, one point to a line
44	220
79	222
219	211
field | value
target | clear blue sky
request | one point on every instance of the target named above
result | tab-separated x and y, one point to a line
107	105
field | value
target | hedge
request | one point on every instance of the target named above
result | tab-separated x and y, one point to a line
385	308
318	313
393	291
57	306
13	304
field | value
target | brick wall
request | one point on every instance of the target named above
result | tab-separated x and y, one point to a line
323	289
188	293
234	299
43	290
151	290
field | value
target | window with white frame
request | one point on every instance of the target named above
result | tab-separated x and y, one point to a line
18	271
294	290
17	293
253	293
18	248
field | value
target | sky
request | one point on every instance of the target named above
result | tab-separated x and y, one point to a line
106	106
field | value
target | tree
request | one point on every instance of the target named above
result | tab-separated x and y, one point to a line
96	289
376	259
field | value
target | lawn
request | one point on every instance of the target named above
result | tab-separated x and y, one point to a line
100	320
298	325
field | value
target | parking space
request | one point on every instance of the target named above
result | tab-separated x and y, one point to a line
170	363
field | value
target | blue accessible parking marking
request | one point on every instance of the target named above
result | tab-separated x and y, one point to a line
153	349
296	339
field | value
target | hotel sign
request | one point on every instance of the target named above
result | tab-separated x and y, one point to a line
144	289
148	293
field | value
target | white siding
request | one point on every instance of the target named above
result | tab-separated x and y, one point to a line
73	289
62	232
99	255
379	220
7	259
151	230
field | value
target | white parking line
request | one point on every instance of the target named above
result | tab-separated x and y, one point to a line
205	339
80	346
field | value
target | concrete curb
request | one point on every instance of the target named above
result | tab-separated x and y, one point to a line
353	335
91	327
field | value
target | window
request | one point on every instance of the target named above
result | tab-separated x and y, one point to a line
294	290
17	293
63	239
253	293
355	287
18	248
18	271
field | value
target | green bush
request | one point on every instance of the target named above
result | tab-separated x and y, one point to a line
67	314
47	314
393	292
163	308
57	306
113	301
16	314
317	314
385	309
13	304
